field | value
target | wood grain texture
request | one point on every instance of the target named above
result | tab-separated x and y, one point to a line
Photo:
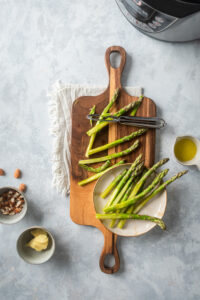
81	198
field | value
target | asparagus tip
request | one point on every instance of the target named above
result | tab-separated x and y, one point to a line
182	173
166	159
165	171
143	130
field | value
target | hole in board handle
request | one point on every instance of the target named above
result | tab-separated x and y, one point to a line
115	59
109	261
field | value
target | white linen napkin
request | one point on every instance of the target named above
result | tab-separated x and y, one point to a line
60	107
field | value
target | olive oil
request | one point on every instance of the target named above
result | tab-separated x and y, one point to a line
185	149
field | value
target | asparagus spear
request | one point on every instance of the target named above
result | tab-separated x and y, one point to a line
117	142
155	192
120	197
134	111
158	190
158	221
101	124
126	108
125	197
135	173
130	209
111	156
123	190
146	175
92	111
123	181
99	169
106	109
90	144
96	176
113	184
133	200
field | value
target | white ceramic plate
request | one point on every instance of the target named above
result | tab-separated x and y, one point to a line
155	207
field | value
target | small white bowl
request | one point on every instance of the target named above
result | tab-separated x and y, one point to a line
6	219
196	159
30	255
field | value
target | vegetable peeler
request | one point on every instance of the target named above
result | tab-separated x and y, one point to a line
130	121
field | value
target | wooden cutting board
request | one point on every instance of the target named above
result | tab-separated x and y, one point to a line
81	198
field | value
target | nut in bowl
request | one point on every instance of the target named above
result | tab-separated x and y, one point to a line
36	245
13	205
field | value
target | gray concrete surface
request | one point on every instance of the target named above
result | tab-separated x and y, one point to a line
40	42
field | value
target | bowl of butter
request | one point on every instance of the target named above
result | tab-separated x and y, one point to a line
35	245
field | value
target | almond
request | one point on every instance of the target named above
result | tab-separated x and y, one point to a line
2	172
17	173
22	187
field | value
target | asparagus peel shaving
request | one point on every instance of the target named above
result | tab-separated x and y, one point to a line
117	142
111	156
105	111
115	216
113	184
101	124
133	200
96	176
99	169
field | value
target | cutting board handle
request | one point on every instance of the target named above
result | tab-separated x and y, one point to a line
110	247
115	72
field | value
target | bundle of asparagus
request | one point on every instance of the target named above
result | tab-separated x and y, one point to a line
97	128
129	195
